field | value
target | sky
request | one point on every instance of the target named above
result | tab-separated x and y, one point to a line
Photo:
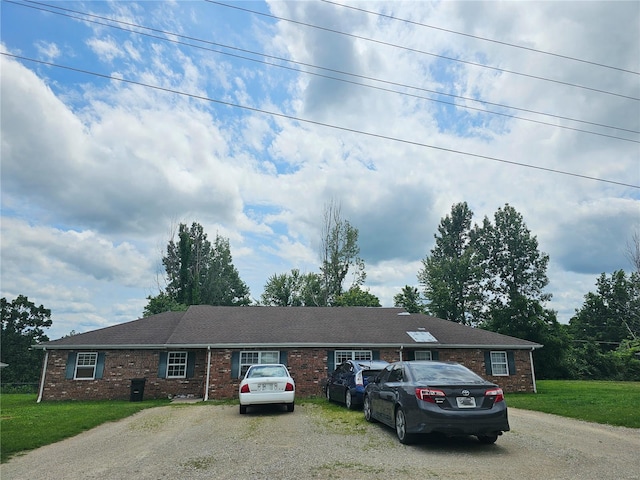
120	120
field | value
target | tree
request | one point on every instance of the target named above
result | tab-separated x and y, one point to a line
356	297
339	252
23	325
293	290
198	273
513	267
633	251
224	286
162	303
409	299
449	276
612	313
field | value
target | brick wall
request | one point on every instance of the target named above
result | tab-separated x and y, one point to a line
308	366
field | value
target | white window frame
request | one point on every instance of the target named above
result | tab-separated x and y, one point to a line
177	364
86	361
343	355
499	364
427	354
254	357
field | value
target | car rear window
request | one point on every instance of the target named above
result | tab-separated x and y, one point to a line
267	371
444	373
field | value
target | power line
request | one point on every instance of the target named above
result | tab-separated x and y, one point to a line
415	50
544	52
322	124
467	107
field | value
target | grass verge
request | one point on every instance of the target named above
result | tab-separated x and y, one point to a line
26	425
612	403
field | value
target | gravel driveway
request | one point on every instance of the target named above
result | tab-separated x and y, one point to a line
215	442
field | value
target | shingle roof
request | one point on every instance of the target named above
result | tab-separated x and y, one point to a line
204	325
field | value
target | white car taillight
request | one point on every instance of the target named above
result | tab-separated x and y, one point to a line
359	381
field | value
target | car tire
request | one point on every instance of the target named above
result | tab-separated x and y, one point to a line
290	407
401	428
366	406
348	399
243	409
488	439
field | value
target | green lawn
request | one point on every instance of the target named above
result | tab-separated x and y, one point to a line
26	425
613	403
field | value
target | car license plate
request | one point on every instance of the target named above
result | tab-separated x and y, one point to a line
264	387
466	402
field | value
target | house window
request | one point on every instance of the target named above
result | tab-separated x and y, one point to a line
86	366
254	357
342	355
423	355
177	365
499	364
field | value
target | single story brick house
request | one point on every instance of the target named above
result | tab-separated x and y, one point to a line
204	351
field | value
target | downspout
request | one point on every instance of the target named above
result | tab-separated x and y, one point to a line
206	390
401	347
533	372
44	373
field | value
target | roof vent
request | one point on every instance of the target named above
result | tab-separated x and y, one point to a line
404	314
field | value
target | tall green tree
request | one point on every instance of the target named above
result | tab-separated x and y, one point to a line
339	252
198	273
450	276
513	267
23	325
409	299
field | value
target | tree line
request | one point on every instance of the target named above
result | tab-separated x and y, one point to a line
490	275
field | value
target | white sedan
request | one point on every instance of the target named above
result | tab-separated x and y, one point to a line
267	384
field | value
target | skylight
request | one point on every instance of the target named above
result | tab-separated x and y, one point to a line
422	337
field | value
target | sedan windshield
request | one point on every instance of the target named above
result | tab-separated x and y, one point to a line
443	373
267	371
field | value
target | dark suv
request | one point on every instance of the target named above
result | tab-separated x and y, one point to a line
346	383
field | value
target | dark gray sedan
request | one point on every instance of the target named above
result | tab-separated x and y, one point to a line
436	397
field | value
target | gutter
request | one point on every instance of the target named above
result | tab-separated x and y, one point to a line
44	373
169	346
206	391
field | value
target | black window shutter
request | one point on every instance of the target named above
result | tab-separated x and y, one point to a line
511	361
100	366
487	363
411	355
191	364
283	357
162	365
434	355
235	364
331	361
375	355
71	365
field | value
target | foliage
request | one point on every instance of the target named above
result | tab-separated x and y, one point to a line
611	314
612	403
27	425
162	303
512	266
339	253
356	297
293	290
409	299
449	275
23	325
198	273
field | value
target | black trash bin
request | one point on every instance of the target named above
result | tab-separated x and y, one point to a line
137	389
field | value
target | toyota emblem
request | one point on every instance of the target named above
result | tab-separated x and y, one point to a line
466	393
